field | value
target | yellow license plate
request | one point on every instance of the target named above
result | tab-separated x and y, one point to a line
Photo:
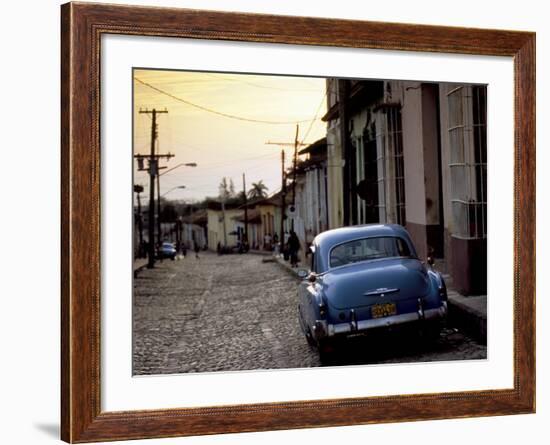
383	310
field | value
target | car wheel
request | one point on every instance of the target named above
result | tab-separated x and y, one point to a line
327	351
431	333
305	328
309	338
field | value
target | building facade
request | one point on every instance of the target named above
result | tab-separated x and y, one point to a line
310	193
222	226
414	154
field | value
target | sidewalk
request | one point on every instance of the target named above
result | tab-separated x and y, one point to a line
260	252
139	264
292	270
468	313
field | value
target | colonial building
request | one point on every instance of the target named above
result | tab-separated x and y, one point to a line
264	218
221	225
415	154
310	214
253	223
194	228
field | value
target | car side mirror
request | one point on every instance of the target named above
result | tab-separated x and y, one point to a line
302	274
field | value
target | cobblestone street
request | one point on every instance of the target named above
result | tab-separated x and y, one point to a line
236	312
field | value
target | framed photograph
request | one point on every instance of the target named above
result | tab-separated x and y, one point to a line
275	222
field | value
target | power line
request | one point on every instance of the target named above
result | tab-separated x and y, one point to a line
268	87
316	114
216	165
219	113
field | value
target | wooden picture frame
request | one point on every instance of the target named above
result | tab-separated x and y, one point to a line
81	414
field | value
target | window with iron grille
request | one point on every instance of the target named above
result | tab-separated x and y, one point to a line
380	169
467	130
395	162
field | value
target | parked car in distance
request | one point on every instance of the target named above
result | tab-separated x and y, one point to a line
367	278
167	250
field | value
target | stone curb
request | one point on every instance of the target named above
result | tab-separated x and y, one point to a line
286	266
138	266
472	321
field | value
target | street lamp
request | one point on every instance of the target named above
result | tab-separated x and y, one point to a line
172	189
187	164
183	164
159	228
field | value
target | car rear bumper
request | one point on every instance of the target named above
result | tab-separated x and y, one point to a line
322	329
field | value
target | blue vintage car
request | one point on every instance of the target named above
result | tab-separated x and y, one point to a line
366	278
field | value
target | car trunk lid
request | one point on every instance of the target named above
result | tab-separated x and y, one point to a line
377	281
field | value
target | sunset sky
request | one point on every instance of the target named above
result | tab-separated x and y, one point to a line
222	145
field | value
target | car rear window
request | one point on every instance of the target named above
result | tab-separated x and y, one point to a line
368	249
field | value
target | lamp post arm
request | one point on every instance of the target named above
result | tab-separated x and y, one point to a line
187	164
173	188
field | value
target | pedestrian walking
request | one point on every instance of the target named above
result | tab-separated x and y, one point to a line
293	247
275	243
267	241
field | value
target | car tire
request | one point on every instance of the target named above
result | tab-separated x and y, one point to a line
327	351
309	339
431	334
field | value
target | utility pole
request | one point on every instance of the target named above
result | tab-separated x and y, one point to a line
182	164
140	222
224	225
283	201
153	172
178	233
159	236
190	227
294	144
293	207
245	240
349	205
138	189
